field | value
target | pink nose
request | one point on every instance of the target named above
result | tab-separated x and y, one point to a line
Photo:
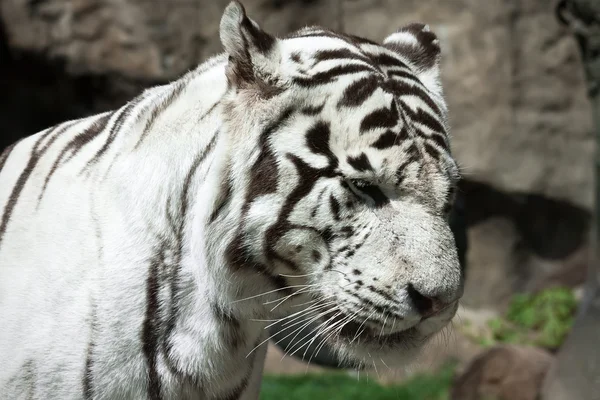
426	306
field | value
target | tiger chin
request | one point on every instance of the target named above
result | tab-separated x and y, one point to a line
304	179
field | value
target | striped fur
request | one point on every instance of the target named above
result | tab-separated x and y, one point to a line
142	250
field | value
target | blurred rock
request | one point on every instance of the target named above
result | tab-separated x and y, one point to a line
521	242
491	260
504	373
139	39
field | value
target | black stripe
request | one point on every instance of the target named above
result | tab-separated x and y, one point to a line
88	389
357	40
358	92
260	39
348	231
317	140
18	187
74	146
231	330
343	249
424	118
238	257
237	253
380	309
388	60
159	109
307	179
150	328
334	204
400	89
178	226
380	118
224	199
29	378
312	110
383	294
432	151
375	193
86	137
437	138
263	176
324	77
314	211
55	132
5	154
123	114
184	199
360	163
351	39
400	170
440	140
389	139
264	173
341	54
425	54
405	75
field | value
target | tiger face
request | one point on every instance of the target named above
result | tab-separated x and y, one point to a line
348	180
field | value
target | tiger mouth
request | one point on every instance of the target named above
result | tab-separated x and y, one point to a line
359	332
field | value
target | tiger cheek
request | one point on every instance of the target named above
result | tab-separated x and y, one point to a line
302	249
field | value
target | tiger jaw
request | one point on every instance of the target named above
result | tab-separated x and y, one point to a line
393	332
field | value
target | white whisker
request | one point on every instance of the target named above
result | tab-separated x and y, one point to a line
269	292
360	326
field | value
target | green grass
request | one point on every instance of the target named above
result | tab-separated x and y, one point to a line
338	386
543	319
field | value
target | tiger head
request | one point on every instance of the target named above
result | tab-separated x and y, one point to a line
345	180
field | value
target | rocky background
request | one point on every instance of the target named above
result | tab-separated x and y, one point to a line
513	79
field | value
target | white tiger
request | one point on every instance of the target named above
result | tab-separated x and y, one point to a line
143	251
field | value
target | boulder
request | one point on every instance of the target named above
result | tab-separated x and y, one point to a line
503	373
520	242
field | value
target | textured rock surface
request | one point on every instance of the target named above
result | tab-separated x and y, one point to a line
139	39
521	242
504	373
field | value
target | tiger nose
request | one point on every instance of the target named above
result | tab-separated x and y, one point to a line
425	305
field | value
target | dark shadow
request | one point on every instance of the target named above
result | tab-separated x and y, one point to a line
38	93
549	228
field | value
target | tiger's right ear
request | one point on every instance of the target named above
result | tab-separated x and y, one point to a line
251	50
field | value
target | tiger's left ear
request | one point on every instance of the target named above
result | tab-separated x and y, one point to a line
420	47
253	53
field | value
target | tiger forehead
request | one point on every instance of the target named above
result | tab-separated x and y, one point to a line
383	119
316	48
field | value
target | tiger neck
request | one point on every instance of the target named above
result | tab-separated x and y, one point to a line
213	214
207	312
